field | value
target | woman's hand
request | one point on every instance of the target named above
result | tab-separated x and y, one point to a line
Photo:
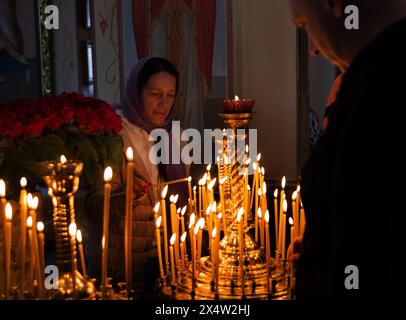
293	252
141	186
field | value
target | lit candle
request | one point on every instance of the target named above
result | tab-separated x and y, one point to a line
261	230
246	197
173	239
213	253
223	204
200	198
194	199
128	216
285	209
268	250
199	238
194	235
210	190
189	186
209	225
192	221
158	244
294	210
302	220
275	209
255	195
32	206
182	219
32	256
23	233
283	184
183	251
219	216
165	227
72	234
2	214
41	243
7	242
81	252
241	245
108	175
297	209
175	224
292	237
204	191
156	211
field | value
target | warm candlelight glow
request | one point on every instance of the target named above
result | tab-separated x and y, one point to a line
79	236
236	98
201	223
173	239
264	188
291	221
263	171
183	210
63	159
214	232
211	184
204	179
254	166
248	162
285	206
214	206
259	157
23	182
158	222
72	229
2	188
259	213
209	167
130	154
267	216
240	214
164	192
192	219
196	229
29	222
283	182
157	206
173	199
259	192
222	181
298	188
178	211
294	196
108	174
32	202
247	149
40	226
9	212
183	237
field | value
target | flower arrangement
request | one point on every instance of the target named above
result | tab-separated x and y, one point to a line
81	128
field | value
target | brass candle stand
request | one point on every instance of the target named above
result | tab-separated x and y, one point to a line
255	284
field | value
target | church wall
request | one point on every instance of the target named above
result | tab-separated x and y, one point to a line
265	70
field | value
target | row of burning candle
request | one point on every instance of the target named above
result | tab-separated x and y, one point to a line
36	241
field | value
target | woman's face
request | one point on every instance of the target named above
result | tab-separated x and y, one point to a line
158	97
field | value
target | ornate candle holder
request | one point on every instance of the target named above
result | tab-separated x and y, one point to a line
62	180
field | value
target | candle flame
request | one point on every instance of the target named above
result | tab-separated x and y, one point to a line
219	216
173	239
108	174
63	159
196	229
294	196
275	194
72	229
29	222
183	237
192	219
32	202
2	188
218	160
259	156
285	206
209	167
240	214
103	242
158	222
249	187
266	216
130	154
259	192
164	192
283	182
254	166
54	201
9	212
291	221
189	179
247	149
298	188
23	182
236	98
79	236
201	223
264	188
178	211
40	226
211	184
214	206
194	188
208	209
222	181
259	213
204	180
263	171
184	210
157	206
247	163
214	232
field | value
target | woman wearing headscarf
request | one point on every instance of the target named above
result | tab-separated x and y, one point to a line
148	104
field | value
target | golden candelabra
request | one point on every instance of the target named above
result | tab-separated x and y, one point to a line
235	275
